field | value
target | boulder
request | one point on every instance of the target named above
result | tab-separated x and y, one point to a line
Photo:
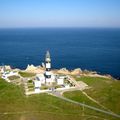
7	67
63	71
76	71
34	69
30	68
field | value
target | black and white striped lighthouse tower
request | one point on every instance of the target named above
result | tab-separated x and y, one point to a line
48	68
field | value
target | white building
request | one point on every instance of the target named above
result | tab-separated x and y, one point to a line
7	74
60	80
48	77
41	78
37	86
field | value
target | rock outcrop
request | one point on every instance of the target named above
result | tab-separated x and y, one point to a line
76	71
34	69
7	67
63	71
31	68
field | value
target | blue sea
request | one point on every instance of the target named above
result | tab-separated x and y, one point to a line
96	49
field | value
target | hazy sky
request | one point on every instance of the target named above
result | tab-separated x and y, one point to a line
59	13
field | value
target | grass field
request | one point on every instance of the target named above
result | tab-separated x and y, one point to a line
13	77
80	97
14	105
26	74
105	91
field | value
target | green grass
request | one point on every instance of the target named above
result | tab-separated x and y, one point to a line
13	77
30	81
30	89
26	74
44	87
80	97
106	91
39	106
30	86
93	81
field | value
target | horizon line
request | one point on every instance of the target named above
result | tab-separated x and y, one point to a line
56	27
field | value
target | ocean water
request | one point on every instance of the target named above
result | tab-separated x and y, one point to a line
94	49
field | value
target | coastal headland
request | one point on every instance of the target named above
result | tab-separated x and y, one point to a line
83	94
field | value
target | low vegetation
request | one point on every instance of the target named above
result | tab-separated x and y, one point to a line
13	77
14	105
80	97
44	87
30	81
58	86
26	74
105	91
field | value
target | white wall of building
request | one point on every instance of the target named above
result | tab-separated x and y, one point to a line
48	80
41	77
37	90
37	83
60	81
5	75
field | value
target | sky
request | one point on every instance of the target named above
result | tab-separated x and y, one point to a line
59	13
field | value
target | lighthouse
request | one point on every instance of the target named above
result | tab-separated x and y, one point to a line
48	79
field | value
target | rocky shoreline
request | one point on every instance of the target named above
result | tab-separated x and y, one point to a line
74	72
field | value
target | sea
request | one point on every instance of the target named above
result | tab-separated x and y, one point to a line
95	49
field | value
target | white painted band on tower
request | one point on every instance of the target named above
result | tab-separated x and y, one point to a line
48	73
48	65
